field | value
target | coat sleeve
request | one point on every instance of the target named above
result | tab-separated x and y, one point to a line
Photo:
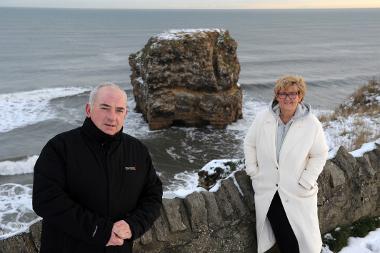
55	206
149	204
316	160
250	154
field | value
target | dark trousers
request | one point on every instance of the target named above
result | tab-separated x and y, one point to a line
285	238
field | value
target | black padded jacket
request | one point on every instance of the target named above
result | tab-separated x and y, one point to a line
84	181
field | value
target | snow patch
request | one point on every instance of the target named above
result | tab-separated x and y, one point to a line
175	34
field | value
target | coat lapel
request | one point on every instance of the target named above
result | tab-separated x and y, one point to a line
270	128
293	136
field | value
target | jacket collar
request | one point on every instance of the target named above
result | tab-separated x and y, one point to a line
93	132
302	110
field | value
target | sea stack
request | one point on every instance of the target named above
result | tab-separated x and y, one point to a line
187	78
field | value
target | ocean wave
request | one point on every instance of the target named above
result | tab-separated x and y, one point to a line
135	124
182	184
171	152
29	107
250	109
24	166
16	212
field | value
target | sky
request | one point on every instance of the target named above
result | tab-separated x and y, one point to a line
194	4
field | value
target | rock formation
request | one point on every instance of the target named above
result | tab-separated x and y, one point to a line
224	221
187	78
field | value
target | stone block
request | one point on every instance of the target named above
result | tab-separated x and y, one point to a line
235	197
147	237
172	208
345	161
161	228
196	207
21	243
246	187
337	177
35	233
214	216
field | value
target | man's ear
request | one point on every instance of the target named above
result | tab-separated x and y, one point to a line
88	110
126	113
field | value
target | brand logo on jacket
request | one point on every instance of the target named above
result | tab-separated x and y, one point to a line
129	168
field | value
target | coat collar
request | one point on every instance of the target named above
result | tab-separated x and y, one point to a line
94	133
302	110
293	136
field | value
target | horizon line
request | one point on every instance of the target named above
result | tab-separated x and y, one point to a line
184	9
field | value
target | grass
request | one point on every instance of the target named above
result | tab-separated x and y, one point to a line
365	102
362	101
338	238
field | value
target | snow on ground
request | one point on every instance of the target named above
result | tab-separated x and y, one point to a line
368	244
362	123
344	130
366	147
175	34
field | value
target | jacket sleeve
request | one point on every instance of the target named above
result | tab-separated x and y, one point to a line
250	154
316	161
149	204
55	206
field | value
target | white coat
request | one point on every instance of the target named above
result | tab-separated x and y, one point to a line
302	157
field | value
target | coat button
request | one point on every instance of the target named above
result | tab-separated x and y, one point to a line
277	185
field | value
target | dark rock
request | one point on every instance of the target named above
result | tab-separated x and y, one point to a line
345	161
216	170
337	175
187	78
365	166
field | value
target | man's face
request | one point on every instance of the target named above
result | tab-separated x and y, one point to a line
109	110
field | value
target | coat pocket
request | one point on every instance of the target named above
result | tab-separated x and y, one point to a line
303	192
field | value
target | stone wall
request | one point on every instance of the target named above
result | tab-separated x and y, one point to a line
224	221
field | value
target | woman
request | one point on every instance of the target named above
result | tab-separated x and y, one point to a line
285	151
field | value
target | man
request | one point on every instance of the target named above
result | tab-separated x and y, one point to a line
94	186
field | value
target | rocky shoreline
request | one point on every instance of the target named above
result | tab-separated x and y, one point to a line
224	221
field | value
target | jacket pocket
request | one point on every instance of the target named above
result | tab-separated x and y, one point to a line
303	192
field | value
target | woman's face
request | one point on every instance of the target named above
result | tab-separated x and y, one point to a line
288	99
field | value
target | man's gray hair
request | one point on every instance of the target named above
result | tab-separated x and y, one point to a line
94	92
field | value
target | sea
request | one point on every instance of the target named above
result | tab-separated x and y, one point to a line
51	58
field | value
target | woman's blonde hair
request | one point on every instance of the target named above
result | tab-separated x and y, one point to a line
289	80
